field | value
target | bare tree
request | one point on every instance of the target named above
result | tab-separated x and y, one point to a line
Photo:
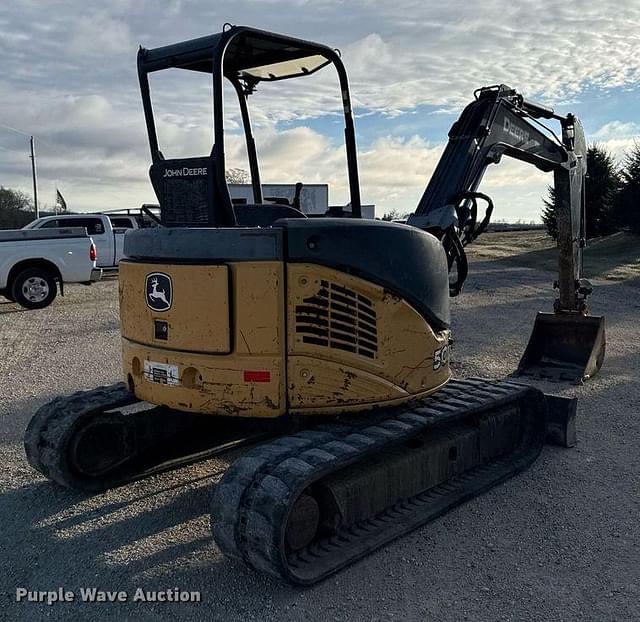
16	208
394	214
237	176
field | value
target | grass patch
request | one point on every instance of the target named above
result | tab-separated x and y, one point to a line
615	257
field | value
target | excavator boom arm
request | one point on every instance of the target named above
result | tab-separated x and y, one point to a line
501	122
489	127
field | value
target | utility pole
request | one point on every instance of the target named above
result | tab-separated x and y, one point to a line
35	184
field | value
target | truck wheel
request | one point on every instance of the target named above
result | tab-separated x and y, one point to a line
34	288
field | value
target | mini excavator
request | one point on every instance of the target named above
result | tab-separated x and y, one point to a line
253	324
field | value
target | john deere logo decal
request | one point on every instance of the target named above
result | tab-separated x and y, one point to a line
159	291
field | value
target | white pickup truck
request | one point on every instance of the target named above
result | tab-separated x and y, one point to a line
107	232
33	264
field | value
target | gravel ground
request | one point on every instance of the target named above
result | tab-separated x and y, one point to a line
560	542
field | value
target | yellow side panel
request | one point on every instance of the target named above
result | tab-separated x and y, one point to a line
198	317
205	383
258	307
247	381
353	344
317	385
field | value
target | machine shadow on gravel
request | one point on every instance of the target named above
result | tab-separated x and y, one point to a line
26	517
39	558
51	540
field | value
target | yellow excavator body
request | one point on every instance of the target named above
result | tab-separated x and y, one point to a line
263	339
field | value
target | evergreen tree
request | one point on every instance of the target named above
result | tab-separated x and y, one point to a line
549	213
601	187
627	207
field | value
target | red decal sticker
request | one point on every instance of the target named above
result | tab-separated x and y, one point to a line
257	376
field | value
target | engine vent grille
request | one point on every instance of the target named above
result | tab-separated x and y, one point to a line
338	317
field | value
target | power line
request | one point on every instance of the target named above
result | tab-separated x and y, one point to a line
32	157
13	129
40	139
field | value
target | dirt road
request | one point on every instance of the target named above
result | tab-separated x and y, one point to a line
560	542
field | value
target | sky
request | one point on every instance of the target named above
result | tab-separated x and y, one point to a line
69	78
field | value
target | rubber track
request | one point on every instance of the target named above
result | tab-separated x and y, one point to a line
46	436
48	432
252	501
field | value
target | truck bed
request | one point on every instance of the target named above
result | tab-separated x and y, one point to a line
16	235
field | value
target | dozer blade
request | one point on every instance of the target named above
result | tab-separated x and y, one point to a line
564	346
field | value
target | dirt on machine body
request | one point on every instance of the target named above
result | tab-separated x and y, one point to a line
248	323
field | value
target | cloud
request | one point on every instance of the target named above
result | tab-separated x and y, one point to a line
438	56
394	172
619	147
616	130
98	36
618	138
69	77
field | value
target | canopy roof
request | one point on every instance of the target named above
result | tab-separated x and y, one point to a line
247	52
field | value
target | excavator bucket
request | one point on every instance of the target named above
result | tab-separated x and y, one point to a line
564	346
